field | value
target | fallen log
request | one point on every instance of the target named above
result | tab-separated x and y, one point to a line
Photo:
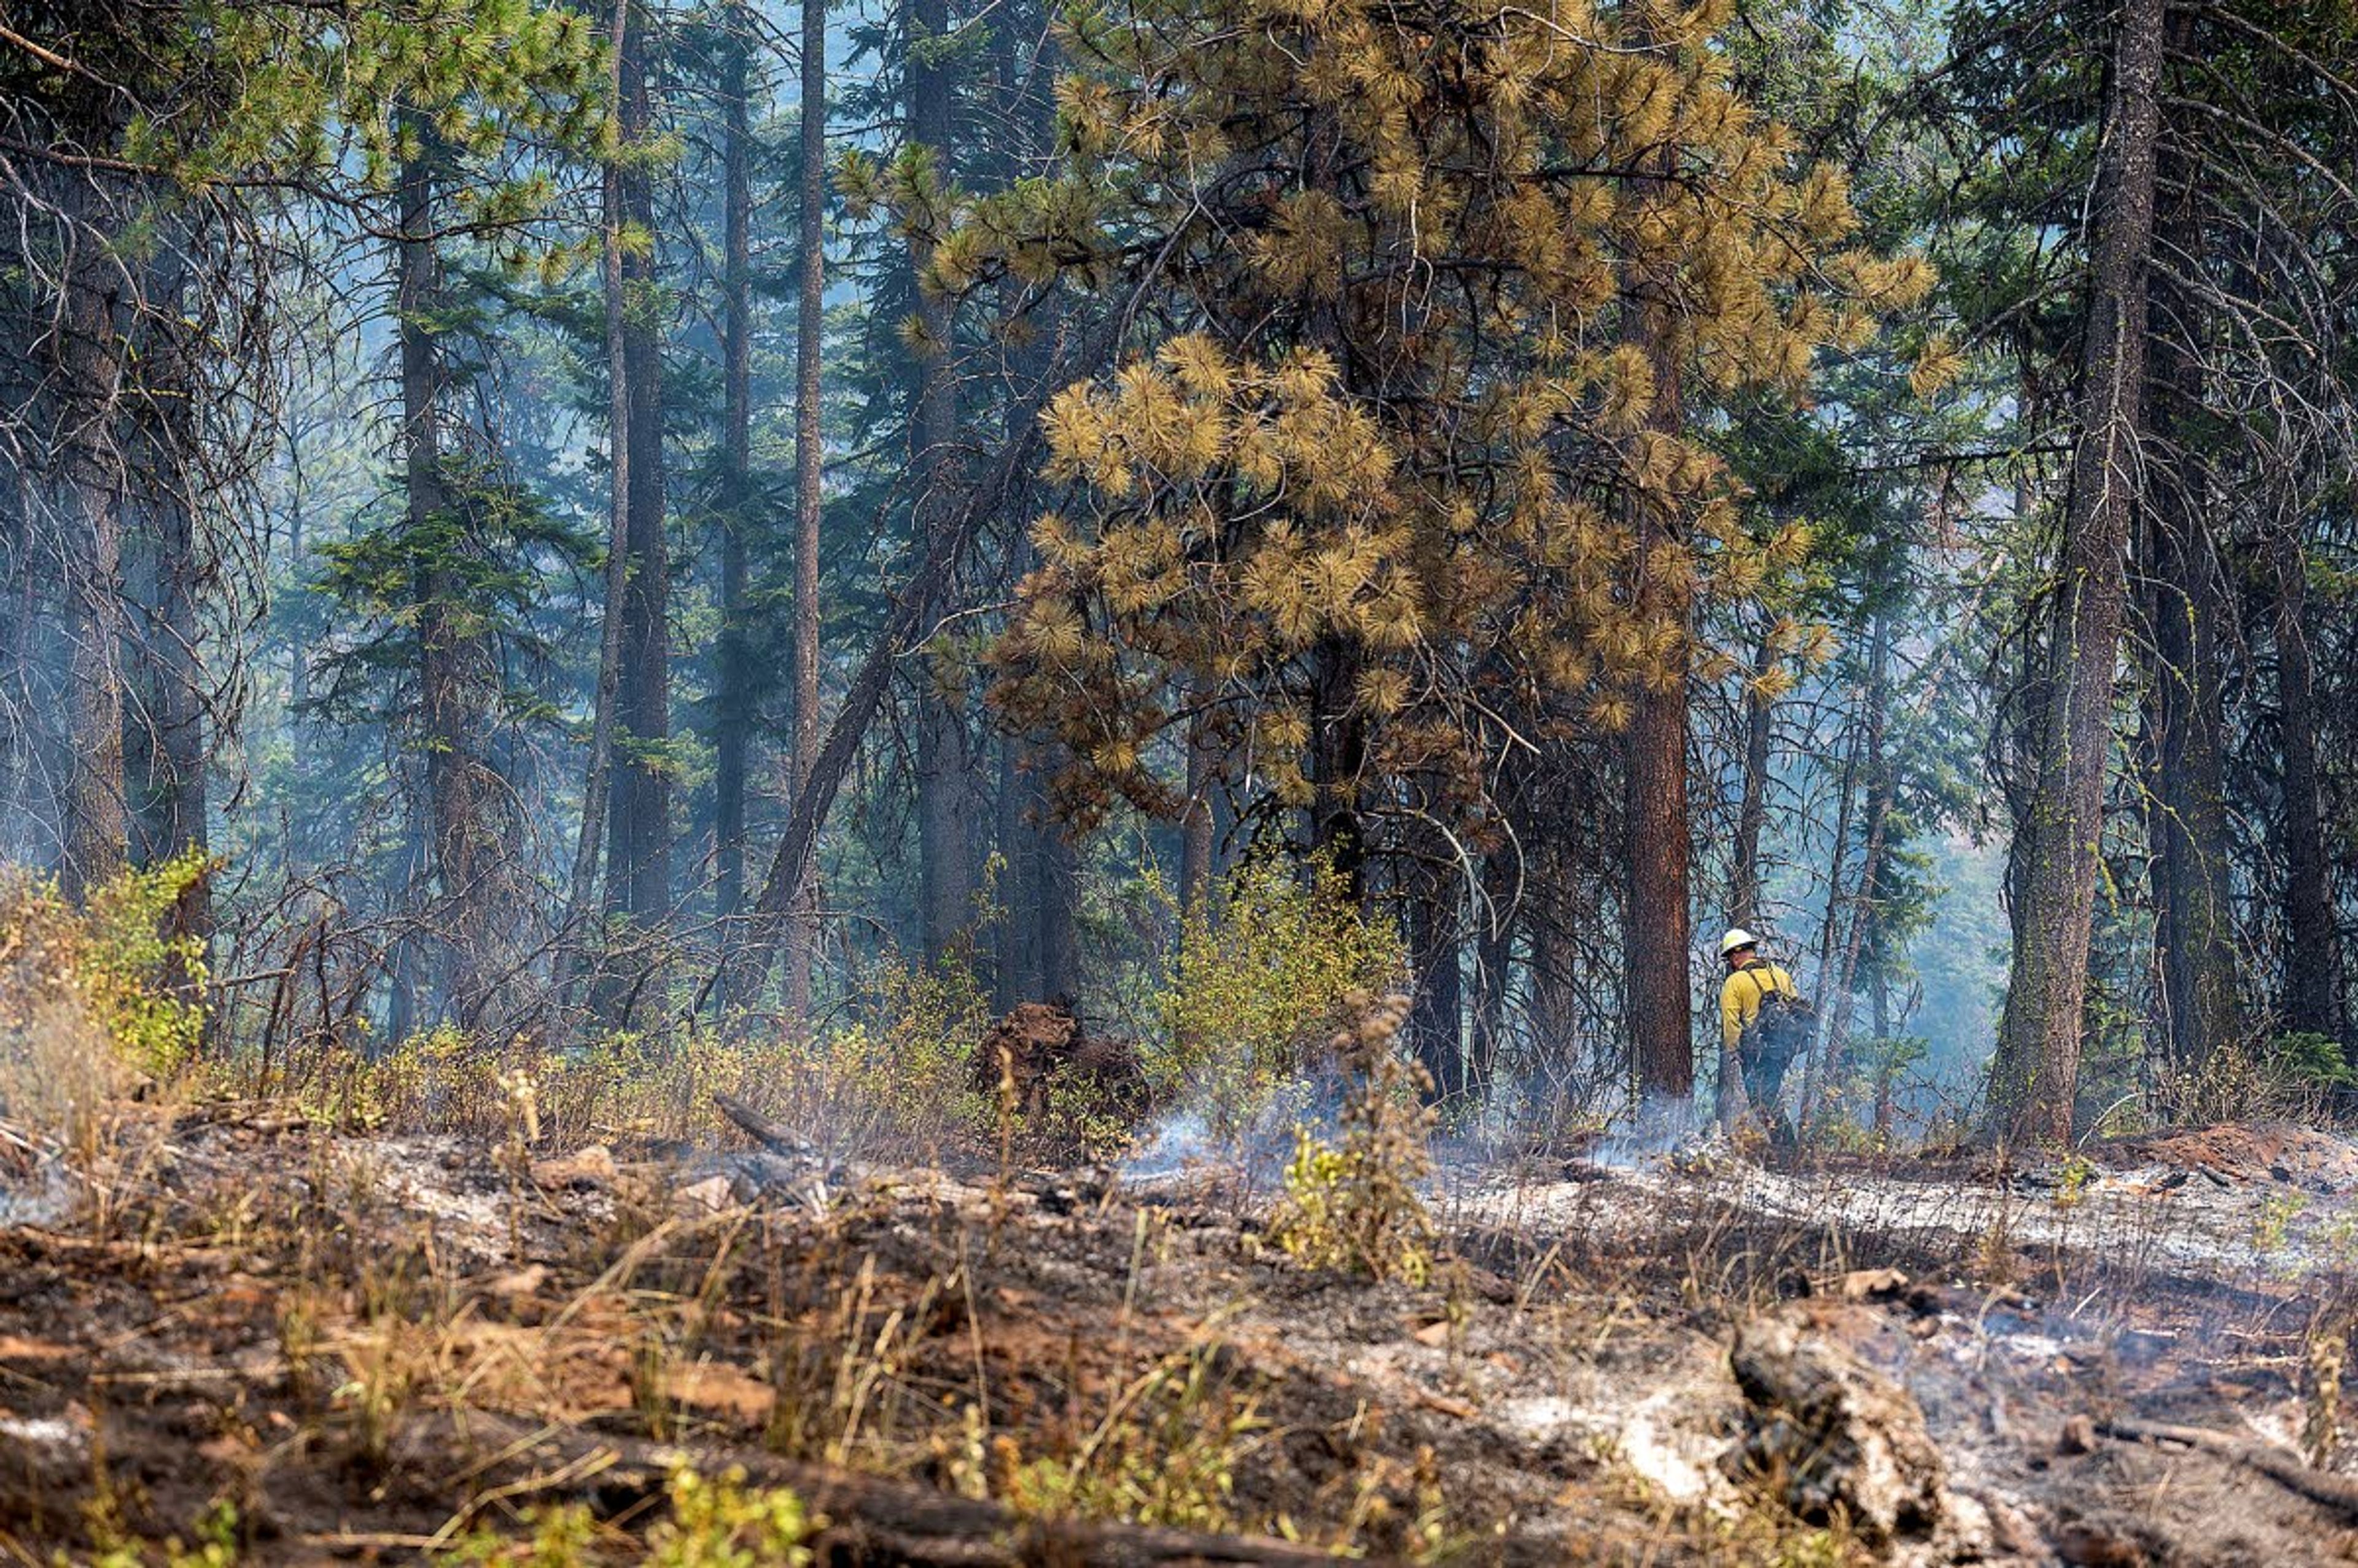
770	1135
869	1523
2286	1469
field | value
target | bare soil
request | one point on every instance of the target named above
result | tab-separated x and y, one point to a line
374	1348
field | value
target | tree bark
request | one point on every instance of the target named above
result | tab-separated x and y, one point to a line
90	366
638	862
2313	1003
171	741
597	786
2186	794
1656	920
733	705
455	660
801	933
1436	1020
944	746
2035	1072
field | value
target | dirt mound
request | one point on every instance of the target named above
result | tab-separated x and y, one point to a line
2246	1151
1058	1069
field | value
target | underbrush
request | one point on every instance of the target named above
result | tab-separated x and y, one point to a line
1233	1025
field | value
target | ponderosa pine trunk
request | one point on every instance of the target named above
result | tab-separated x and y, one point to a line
2035	1074
1435	1024
1657	922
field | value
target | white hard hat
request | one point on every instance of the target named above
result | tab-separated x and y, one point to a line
1739	937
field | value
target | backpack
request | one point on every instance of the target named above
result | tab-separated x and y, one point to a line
1784	1025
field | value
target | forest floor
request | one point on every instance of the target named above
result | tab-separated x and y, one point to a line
279	1340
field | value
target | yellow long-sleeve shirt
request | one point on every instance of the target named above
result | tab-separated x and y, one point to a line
1740	994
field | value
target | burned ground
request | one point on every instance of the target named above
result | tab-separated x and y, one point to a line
380	1348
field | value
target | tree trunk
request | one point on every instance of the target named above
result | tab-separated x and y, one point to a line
96	829
2312	960
802	932
733	702
1195	827
638	863
1016	968
1338	755
1657	922
2036	1073
1494	955
945	763
1436	1020
2186	797
455	660
171	740
598	781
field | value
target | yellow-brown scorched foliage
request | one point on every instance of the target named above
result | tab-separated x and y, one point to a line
1389	464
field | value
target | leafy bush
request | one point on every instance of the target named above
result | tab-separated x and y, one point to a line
1256	982
110	962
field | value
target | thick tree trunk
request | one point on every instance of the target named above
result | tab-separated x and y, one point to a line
91	492
2312	1003
169	741
1656	923
2186	795
2036	1073
638	862
1060	913
733	705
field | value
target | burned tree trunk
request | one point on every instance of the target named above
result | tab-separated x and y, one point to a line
2035	1072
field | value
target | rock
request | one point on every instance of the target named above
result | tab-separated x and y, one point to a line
712	1196
1860	1284
589	1167
1832	1433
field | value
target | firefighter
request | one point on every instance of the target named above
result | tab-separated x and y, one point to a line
1763	1026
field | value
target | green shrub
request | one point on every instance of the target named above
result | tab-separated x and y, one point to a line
1256	982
